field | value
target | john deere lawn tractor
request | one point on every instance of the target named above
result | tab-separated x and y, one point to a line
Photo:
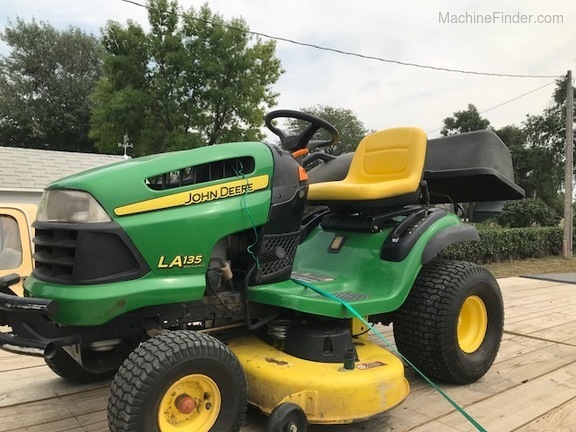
206	279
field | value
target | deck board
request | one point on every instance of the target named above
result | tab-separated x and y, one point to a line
531	386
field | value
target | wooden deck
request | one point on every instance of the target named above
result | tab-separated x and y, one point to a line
531	387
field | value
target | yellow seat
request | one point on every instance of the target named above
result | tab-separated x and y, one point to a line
387	164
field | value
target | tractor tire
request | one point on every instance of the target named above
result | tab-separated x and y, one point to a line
451	325
69	369
180	380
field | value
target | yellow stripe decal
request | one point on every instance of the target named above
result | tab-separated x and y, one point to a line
197	196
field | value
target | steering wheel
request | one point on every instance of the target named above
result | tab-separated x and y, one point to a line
301	141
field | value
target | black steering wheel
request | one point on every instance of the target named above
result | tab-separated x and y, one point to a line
301	141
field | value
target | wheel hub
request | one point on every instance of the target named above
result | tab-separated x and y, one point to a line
185	404
191	403
472	324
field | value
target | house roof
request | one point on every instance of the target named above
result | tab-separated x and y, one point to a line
27	169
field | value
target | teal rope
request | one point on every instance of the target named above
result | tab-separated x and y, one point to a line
381	337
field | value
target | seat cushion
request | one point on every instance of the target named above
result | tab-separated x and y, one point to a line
387	163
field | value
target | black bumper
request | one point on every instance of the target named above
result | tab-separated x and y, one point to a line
31	329
10	302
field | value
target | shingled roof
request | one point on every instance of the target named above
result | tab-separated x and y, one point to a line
30	169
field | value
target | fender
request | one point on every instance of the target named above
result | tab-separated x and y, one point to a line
404	236
448	236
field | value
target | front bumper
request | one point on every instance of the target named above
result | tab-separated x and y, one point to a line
31	329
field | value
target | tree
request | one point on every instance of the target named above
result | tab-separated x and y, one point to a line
45	86
467	120
514	138
528	212
194	79
546	152
546	139
351	129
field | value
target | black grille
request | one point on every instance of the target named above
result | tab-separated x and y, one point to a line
89	254
54	254
277	254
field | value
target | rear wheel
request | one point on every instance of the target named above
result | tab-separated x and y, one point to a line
450	326
178	381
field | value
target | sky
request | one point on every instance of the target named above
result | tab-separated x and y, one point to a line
383	94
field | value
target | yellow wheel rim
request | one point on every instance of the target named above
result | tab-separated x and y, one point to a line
472	324
190	404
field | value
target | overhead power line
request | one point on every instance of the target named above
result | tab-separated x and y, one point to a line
516	98
503	103
343	52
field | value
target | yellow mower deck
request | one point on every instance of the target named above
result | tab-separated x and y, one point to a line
328	393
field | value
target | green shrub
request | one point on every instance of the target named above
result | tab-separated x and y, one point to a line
504	244
526	213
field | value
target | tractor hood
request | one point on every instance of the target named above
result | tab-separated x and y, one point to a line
152	177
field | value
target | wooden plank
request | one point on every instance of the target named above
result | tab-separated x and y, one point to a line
531	386
562	418
544	300
526	310
53	409
509	375
540	321
514	351
518	284
516	407
565	332
93	422
541	296
525	285
19	362
37	383
5	353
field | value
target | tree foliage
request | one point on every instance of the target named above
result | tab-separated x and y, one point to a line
546	137
514	138
545	140
351	129
537	146
194	79
45	84
467	120
526	213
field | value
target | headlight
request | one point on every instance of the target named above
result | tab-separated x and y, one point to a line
70	206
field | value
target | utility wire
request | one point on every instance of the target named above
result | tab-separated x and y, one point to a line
343	52
517	97
503	103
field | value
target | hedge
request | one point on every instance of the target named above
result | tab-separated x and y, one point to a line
505	244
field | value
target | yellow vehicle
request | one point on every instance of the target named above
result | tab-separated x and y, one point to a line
15	241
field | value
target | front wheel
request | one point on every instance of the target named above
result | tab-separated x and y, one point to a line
178	381
287	417
450	326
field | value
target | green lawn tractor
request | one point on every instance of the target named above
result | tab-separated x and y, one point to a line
206	279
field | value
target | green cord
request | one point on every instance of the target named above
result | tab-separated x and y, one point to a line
247	211
381	337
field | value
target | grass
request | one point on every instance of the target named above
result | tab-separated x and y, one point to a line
550	264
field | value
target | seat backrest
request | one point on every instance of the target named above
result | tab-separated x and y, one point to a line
393	155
